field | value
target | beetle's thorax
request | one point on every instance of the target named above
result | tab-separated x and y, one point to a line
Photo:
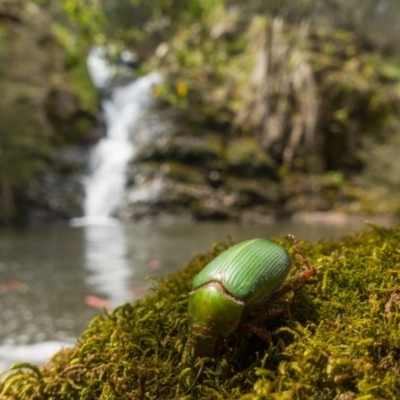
218	286
211	306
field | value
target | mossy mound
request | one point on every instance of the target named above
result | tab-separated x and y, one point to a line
340	339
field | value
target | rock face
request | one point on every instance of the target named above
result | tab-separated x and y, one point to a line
58	194
181	172
44	128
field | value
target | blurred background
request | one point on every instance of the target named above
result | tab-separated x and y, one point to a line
134	134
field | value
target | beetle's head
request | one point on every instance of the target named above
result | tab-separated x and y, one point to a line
204	341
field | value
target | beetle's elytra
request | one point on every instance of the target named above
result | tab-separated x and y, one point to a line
236	288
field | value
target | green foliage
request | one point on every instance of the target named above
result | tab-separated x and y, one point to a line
23	150
90	18
340	339
360	96
75	63
213	59
136	23
309	95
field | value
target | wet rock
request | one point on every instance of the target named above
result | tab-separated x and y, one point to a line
52	197
170	189
165	134
58	194
64	112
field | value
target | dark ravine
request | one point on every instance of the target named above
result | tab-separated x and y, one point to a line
221	151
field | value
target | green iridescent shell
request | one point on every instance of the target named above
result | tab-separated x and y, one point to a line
249	271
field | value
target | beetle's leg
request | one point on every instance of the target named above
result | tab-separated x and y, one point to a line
248	329
299	251
292	286
259	312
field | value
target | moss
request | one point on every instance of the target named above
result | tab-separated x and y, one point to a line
184	172
78	79
339	340
245	157
258	191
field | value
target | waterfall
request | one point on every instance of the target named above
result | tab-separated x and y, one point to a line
123	106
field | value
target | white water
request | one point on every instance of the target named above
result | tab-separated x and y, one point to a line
36	353
106	180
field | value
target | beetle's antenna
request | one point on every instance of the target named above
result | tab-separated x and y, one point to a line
299	251
195	380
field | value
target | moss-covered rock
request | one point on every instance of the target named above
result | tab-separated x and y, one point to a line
163	134
184	171
244	157
314	193
339	340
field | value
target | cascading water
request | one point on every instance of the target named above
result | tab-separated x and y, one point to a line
123	107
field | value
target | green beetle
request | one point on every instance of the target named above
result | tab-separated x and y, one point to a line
237	288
